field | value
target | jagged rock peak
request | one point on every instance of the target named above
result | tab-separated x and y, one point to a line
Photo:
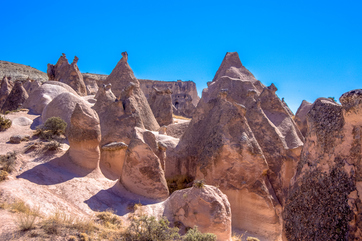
232	67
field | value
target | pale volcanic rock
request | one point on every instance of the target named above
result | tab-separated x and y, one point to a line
5	90
22	121
127	88
84	136
161	105
218	141
42	96
327	188
177	129
142	173
64	85
31	85
63	106
68	74
301	117
92	81
104	97
207	208
16	98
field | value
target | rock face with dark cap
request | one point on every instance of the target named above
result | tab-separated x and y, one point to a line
205	207
142	172
325	199
301	117
84	136
68	74
126	88
5	90
16	98
161	105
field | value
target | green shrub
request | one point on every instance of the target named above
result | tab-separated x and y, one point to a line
5	123
195	235
53	126
7	162
146	228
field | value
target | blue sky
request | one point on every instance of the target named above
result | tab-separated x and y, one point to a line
308	49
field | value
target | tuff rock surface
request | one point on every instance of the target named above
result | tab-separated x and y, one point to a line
16	98
67	73
5	90
161	105
301	117
205	207
325	198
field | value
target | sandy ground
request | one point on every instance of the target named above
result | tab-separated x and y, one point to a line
50	181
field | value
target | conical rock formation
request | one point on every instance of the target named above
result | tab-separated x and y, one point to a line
68	74
301	117
16	98
161	105
5	90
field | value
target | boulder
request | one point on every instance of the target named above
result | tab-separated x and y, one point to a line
16	98
42	96
5	90
63	106
301	117
125	86
64	85
142	173
22	121
161	106
205	207
84	136
324	201
68	74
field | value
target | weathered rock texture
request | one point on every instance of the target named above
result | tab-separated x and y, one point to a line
161	105
20	72
242	139
92	81
16	98
5	90
68	74
127	88
325	201
142	172
301	117
184	94
42	96
63	106
177	129
206	207
84	136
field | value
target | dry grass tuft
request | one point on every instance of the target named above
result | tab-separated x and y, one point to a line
180	117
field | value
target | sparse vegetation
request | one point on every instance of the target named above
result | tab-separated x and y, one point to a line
26	220
53	145
199	183
178	182
252	239
147	228
332	98
53	127
7	165
5	123
195	235
109	219
180	117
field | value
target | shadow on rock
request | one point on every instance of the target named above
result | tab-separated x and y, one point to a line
118	199
55	171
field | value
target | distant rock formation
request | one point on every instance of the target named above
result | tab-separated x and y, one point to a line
92	81
84	136
301	117
161	105
68	74
184	94
5	90
16	98
242	139
20	72
205	207
325	199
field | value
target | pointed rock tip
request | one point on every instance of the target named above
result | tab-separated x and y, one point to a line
124	56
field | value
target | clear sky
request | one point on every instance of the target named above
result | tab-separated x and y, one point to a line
308	49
